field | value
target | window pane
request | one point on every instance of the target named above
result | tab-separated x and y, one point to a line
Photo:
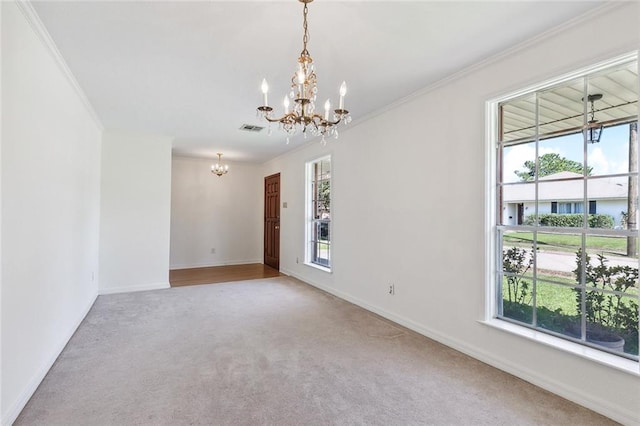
518	119
611	154
517	281
561	109
561	157
556	257
518	162
556	309
611	197
560	202
608	266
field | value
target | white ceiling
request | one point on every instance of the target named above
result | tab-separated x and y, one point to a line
192	70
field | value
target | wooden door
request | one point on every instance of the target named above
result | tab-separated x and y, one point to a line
272	221
520	214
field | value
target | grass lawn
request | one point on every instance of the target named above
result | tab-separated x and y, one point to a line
552	296
566	242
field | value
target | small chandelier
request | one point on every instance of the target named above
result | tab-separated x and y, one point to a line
594	130
219	169
303	94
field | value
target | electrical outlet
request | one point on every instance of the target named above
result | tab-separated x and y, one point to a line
297	260
213	251
392	289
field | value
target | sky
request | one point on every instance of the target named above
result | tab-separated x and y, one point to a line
609	156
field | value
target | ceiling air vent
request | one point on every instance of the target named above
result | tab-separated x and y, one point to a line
251	128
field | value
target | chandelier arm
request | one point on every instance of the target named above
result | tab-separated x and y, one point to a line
279	120
322	121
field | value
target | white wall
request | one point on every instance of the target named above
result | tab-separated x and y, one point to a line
50	170
135	212
399	227
210	212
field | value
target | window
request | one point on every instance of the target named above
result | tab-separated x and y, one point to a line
319	212
567	270
566	208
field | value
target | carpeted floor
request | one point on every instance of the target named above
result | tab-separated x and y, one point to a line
276	352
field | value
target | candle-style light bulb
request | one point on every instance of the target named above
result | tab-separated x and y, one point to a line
327	107
286	104
343	91
301	79
265	90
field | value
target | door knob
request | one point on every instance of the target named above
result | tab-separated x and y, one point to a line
277	226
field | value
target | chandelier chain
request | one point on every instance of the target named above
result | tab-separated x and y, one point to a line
305	36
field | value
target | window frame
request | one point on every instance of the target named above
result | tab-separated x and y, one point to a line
492	200
311	221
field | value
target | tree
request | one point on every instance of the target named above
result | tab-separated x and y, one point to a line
549	164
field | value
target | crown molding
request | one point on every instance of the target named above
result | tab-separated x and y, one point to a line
38	27
497	57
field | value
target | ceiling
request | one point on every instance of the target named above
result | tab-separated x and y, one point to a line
192	70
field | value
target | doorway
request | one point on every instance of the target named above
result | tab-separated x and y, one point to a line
272	221
520	213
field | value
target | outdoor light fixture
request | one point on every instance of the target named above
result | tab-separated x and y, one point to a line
303	95
594	130
219	169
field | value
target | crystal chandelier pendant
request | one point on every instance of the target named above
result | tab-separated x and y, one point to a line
219	169
304	91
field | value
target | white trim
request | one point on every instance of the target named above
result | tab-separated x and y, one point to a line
320	267
577	395
14	411
40	30
209	265
491	117
130	289
595	355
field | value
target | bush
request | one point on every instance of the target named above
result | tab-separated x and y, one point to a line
600	221
571	220
607	287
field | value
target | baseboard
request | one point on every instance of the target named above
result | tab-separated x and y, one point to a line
132	288
209	265
14	411
617	413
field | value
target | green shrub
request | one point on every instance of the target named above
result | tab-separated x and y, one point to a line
606	287
600	221
571	220
516	262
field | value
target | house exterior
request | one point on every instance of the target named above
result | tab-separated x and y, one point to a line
563	193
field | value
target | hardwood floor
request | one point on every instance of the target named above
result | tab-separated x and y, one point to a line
220	274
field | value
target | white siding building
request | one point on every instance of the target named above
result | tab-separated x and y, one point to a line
564	193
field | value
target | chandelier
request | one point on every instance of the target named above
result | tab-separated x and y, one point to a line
594	130
303	93
218	168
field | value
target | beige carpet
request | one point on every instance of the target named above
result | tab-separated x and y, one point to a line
276	352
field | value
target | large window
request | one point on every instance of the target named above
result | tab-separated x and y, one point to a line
319	212
562	268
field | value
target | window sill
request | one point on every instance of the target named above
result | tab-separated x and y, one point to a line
600	357
320	267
